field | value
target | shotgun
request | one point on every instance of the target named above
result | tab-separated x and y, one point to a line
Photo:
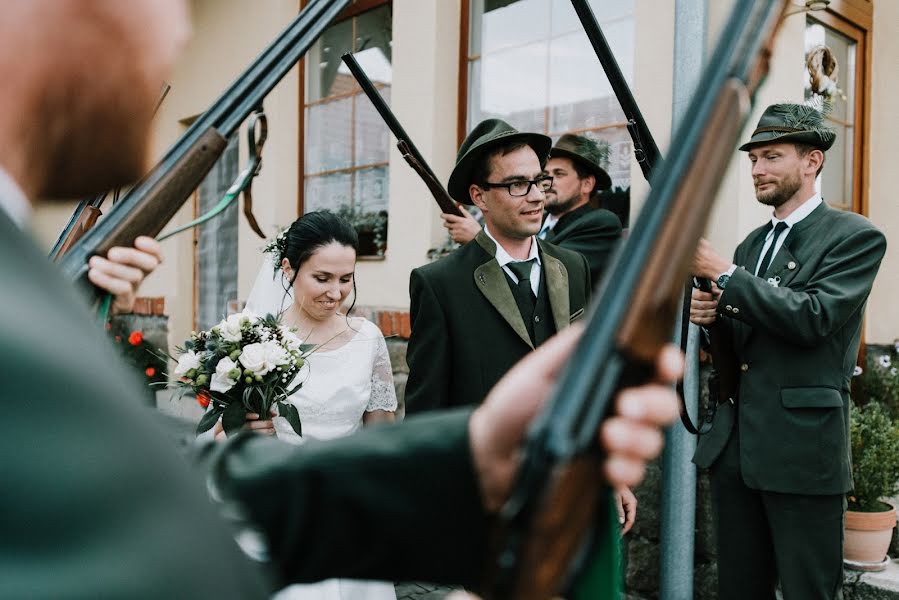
645	150
550	524
403	141
152	202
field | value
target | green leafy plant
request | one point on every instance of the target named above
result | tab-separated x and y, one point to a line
878	381
875	457
371	227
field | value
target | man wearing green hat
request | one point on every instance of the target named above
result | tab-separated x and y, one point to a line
791	303
479	310
571	222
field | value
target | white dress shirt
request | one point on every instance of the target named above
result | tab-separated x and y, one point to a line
549	223
504	258
804	210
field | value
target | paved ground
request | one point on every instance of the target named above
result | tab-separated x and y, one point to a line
421	591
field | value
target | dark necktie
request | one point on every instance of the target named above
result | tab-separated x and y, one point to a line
769	255
522	271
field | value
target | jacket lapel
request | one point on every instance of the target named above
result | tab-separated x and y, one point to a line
557	287
491	281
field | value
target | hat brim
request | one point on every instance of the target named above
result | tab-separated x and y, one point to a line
811	138
603	181
460	178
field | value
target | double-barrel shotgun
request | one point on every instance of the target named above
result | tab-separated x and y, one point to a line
551	526
153	201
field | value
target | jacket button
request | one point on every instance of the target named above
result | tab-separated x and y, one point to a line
744	367
536	318
728	307
791	265
736	310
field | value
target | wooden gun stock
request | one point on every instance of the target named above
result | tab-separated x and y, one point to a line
86	218
551	514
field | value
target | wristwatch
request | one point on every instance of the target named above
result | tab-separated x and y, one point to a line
725	277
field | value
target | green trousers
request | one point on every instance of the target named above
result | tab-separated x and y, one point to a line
766	537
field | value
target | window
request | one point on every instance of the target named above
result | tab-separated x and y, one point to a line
530	63
844	31
346	144
215	244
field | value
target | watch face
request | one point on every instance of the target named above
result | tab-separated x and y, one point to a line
722	281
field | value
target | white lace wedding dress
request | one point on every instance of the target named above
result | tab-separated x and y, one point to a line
339	387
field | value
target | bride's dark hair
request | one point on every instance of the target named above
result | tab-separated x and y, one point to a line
313	231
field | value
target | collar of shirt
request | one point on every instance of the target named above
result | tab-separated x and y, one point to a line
549	223
13	200
804	210
504	258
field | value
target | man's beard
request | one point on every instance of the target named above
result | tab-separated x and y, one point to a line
560	206
781	192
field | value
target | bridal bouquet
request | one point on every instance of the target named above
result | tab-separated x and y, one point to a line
244	364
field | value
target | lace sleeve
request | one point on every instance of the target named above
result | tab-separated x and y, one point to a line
383	392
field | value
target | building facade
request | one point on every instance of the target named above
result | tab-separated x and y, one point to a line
443	65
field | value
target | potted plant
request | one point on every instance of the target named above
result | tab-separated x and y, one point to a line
874	438
371	227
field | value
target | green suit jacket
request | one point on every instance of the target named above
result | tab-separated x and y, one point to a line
593	232
467	331
797	345
97	503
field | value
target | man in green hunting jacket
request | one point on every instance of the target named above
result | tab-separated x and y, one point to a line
791	303
476	312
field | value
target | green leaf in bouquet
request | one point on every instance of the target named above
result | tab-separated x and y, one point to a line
209	419
290	412
233	418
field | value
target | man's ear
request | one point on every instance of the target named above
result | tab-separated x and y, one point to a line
477	196
815	159
587	184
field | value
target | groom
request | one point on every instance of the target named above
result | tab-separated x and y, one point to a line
95	501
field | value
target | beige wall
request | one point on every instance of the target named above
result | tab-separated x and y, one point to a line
882	324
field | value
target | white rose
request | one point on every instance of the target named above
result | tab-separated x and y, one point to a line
221	382
229	328
275	355
253	358
290	339
189	360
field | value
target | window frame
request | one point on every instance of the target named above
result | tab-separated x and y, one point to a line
357	8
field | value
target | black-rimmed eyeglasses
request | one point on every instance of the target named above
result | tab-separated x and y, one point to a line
523	187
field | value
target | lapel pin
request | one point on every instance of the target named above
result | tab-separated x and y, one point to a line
481	278
774	281
791	265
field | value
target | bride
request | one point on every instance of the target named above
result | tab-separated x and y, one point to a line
348	379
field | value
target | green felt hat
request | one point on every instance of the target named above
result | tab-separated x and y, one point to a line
585	152
486	136
795	123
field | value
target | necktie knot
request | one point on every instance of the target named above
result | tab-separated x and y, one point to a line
522	269
769	255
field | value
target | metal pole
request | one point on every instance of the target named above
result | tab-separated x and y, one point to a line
678	510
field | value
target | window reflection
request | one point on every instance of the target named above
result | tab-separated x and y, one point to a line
836	182
530	63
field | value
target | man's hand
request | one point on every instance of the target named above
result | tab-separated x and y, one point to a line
707	262
626	503
124	269
630	438
462	229
704	306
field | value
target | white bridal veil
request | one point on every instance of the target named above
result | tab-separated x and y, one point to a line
272	292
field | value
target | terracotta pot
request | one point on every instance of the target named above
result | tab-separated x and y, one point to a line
868	535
